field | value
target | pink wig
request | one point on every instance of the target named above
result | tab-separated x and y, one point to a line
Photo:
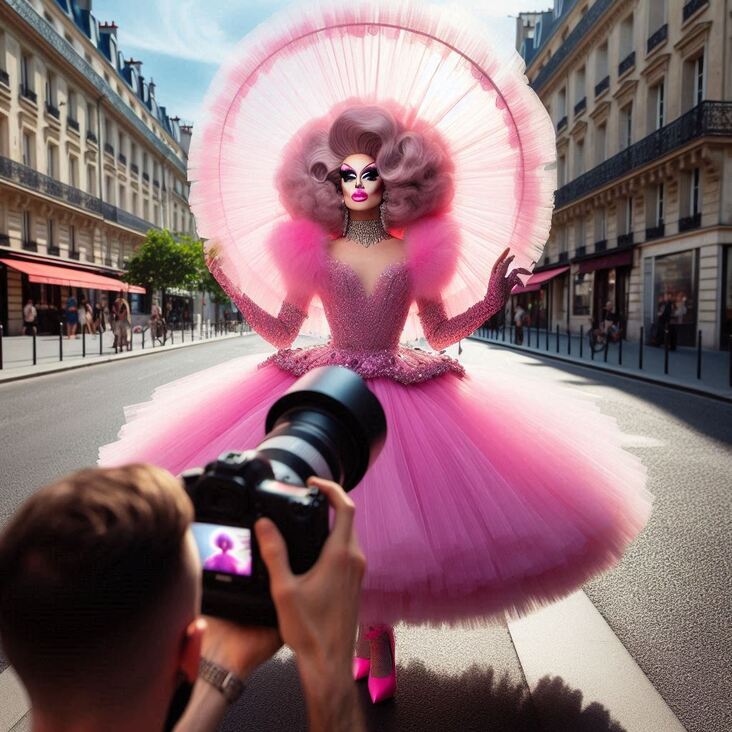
413	163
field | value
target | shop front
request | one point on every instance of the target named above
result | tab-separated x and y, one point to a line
726	314
670	303
601	287
49	286
534	297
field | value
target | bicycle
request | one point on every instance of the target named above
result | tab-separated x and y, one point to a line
604	334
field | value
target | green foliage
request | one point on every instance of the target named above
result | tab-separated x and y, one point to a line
162	262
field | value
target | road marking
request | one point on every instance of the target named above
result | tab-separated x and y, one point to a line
15	704
571	640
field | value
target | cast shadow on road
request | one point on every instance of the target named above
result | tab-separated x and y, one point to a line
478	700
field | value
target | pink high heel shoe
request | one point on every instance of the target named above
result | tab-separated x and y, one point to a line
361	658
361	668
382	688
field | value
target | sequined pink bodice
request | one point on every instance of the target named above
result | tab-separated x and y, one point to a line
365	329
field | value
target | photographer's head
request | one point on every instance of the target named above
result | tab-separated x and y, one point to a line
99	593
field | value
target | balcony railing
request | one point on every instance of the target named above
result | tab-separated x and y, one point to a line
122	159
53	110
146	177
33	180
690	222
135	169
707	118
627	63
91	136
74	254
156	182
567	49
72	124
4	77
108	261
655	232
657	38
580	106
563	257
30	246
109	148
28	93
602	86
626	240
601	245
5	240
53	250
562	123
580	251
691	7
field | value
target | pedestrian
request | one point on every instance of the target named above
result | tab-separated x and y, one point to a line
72	316
121	322
519	315
666	329
86	316
156	321
99	318
30	318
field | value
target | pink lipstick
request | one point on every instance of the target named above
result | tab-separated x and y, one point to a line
359	196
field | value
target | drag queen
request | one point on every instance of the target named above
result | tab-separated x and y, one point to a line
362	172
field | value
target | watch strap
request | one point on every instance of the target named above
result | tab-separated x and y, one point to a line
227	682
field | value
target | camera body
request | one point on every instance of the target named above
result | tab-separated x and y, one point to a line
329	424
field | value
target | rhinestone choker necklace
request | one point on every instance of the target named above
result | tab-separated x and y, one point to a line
367	232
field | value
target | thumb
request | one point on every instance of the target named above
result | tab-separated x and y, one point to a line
273	550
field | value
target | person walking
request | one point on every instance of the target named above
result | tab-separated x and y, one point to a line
121	322
30	318
72	316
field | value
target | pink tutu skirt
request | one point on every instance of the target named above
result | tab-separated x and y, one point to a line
491	494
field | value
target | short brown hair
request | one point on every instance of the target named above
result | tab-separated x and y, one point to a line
84	565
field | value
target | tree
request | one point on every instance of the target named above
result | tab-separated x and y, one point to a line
161	263
203	279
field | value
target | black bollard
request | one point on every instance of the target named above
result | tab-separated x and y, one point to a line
192	332
569	342
537	331
35	353
557	337
172	337
183	334
132	338
101	341
83	341
1	347
143	339
698	355
607	346
60	341
640	349
528	337
729	350
582	338
620	350
665	351
546	335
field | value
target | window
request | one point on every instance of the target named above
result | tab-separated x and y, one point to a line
29	149
628	215
626	126
562	170
600	224
626	37
656	15
72	239
109	189
73	171
52	160
699	79
601	63
122	200
579	158
600	143
579	232
694	208
134	203
561	103
91	180
71	105
582	294
660	101
26	72
26	228
146	210
91	118
659	204
51	89
579	85
51	237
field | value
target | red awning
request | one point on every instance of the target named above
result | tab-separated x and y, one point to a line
535	282
49	275
619	259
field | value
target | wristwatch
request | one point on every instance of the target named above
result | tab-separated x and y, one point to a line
228	683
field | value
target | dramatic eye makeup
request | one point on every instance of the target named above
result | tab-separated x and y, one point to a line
370	172
347	173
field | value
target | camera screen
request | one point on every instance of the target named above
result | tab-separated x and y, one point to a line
226	549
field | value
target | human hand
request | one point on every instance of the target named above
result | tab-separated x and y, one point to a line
317	611
500	285
238	648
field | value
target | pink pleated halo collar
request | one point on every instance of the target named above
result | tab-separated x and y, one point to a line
436	64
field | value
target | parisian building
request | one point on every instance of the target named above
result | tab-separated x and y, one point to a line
89	160
640	95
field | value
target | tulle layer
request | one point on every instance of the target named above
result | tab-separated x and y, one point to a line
483	500
439	66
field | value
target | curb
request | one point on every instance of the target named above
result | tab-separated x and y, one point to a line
7	377
669	384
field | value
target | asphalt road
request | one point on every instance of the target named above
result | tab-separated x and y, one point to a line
668	601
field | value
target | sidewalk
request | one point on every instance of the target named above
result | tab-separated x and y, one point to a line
682	363
54	354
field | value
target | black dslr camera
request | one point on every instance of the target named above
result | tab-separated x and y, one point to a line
327	424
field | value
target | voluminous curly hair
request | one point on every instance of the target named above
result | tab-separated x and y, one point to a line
414	165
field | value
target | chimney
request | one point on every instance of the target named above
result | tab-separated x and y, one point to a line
185	137
110	28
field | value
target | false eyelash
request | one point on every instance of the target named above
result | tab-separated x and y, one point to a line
347	175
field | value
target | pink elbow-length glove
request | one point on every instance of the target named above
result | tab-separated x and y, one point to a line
441	331
281	330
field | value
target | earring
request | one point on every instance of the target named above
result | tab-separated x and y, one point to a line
382	211
346	219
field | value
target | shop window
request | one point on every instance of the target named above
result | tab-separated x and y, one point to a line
674	285
582	294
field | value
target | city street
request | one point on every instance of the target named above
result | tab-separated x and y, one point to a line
644	648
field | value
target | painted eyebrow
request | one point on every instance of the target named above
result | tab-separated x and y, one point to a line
345	166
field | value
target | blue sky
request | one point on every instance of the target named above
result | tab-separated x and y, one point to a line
182	42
